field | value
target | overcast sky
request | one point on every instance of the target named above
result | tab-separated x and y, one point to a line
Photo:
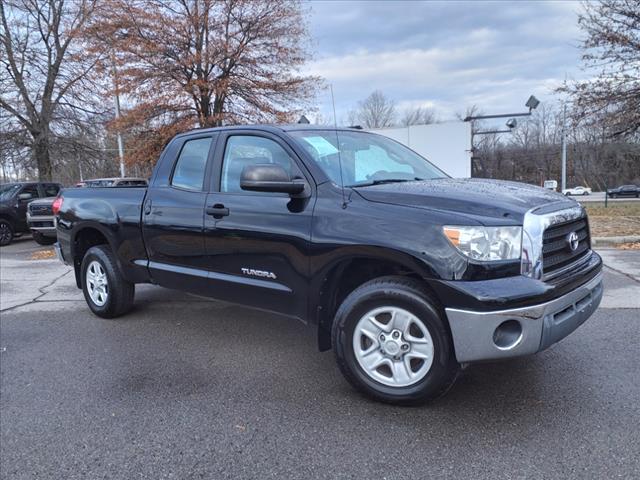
447	55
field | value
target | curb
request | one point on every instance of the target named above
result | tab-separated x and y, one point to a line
609	241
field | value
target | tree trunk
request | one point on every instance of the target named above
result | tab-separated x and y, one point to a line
40	152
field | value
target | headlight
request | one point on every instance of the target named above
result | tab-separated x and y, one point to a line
486	244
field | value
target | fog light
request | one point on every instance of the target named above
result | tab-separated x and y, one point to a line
507	335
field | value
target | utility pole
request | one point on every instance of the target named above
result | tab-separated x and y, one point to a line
564	149
117	105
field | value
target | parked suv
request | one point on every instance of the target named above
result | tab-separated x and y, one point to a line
14	198
406	274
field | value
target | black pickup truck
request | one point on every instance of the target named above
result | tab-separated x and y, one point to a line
407	274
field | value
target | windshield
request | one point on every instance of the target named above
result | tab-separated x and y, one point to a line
7	191
366	158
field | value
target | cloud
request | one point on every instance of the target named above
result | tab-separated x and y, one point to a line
446	54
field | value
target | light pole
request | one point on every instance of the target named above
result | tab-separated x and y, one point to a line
564	149
117	108
532	103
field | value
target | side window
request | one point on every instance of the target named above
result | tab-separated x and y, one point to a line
190	167
243	150
30	189
51	189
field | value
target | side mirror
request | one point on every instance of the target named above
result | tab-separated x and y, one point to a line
269	177
25	196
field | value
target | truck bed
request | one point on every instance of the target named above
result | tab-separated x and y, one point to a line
113	212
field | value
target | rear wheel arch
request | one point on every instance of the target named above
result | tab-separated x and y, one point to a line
83	240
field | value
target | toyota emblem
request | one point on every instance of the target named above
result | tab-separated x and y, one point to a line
573	241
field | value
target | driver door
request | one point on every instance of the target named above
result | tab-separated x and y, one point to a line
21	218
257	243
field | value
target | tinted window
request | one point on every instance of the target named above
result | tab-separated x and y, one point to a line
360	158
191	164
51	190
243	150
32	189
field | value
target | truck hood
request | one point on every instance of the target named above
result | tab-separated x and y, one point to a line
476	197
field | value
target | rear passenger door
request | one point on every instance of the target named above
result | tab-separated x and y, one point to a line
173	217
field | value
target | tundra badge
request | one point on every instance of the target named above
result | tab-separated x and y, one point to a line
258	273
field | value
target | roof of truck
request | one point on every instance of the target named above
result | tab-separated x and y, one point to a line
271	128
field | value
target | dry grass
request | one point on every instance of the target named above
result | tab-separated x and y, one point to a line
43	255
618	219
629	246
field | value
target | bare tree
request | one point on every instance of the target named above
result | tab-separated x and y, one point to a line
43	70
612	46
418	116
189	63
375	111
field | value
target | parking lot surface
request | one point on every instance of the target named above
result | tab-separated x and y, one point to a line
185	387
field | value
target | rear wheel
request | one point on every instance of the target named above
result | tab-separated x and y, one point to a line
6	232
41	239
392	343
106	291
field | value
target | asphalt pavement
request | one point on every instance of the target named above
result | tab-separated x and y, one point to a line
185	387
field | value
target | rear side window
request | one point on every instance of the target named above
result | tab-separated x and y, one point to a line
51	190
191	164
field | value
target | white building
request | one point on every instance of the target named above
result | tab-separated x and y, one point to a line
447	145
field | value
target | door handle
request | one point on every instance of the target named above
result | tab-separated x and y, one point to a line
147	208
218	211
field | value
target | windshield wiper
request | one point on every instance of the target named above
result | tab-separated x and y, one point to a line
385	180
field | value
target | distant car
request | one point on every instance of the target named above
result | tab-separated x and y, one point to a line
41	222
579	190
14	198
624	191
115	182
551	185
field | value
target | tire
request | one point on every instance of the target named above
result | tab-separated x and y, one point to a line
40	239
432	379
6	233
118	294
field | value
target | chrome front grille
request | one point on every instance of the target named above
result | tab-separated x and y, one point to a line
40	209
545	250
557	253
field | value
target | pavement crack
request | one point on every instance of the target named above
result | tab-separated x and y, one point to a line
623	273
42	291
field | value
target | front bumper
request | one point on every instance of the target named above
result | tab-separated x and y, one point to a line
45	225
514	332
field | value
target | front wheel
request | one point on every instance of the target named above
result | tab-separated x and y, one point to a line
106	291
392	343
6	233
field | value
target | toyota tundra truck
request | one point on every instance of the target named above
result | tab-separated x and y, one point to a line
405	273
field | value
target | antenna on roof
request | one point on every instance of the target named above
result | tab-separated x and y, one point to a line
335	124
